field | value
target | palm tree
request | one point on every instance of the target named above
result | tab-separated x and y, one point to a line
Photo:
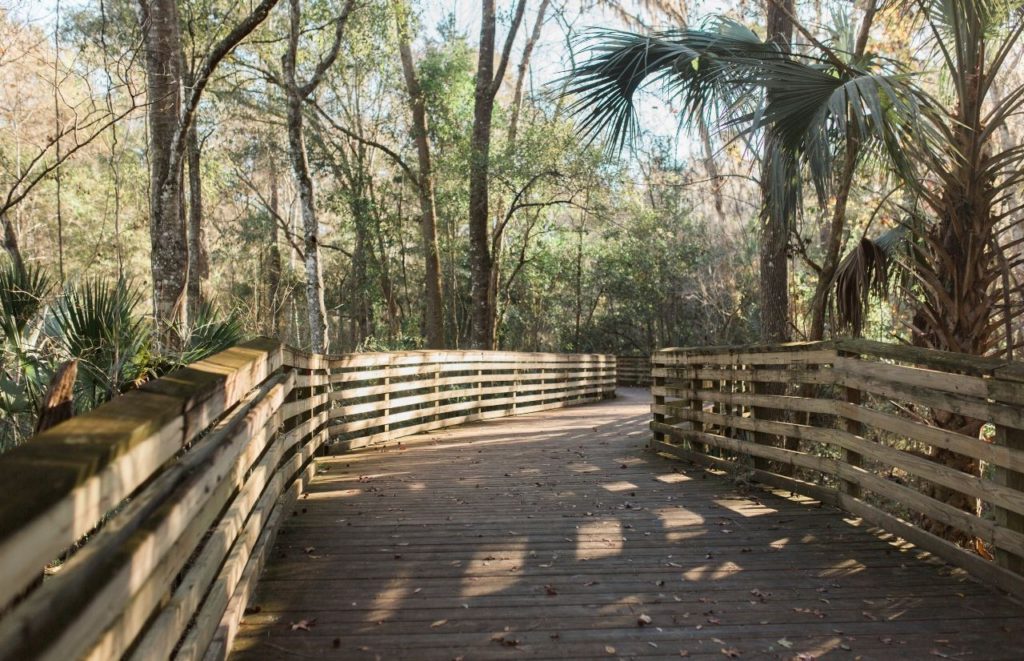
826	105
962	246
808	108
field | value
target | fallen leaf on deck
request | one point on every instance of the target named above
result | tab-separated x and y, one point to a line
730	652
609	649
303	625
643	620
439	623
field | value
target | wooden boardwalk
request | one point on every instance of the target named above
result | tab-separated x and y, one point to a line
555	535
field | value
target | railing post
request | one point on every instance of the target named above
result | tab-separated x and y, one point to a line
697	407
479	392
515	388
852	397
1011	438
437	392
387	397
658	394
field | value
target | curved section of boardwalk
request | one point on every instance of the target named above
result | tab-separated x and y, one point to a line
556	535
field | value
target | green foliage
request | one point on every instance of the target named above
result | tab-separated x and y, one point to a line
22	296
209	333
99	323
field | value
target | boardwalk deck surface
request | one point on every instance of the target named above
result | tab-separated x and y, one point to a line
556	535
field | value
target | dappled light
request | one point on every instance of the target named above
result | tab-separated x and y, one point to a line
616	487
599	539
745	508
511	329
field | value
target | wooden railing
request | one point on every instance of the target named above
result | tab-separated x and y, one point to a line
868	427
163	503
633	370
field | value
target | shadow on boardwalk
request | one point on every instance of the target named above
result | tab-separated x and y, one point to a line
556	535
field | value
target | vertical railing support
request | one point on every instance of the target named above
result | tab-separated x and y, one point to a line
515	389
658	371
1011	438
437	392
387	398
852	397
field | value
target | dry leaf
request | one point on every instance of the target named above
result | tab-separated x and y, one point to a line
303	625
643	620
609	649
730	652
439	623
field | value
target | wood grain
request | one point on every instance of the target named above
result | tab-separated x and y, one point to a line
549	535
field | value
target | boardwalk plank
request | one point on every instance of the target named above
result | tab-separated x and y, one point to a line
548	535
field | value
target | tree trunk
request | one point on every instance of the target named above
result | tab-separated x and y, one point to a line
524	66
168	239
274	304
198	260
774	275
11	243
774	266
957	315
316	308
488	80
479	160
434	301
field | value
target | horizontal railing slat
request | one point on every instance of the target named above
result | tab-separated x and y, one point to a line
180	485
862	424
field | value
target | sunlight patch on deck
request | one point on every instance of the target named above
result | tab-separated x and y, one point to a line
745	508
477	586
610	533
673	478
677	517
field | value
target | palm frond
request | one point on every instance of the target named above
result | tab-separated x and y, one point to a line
22	295
864	272
210	333
97	321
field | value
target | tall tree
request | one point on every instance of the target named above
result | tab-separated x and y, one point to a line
488	81
434	301
171	114
778	171
297	93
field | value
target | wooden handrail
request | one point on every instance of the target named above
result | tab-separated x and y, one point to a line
858	430
164	502
633	370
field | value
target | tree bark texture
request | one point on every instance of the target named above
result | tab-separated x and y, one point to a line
434	295
171	115
274	327
168	240
774	270
296	93
198	259
488	80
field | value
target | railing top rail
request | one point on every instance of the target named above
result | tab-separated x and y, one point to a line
982	366
155	494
